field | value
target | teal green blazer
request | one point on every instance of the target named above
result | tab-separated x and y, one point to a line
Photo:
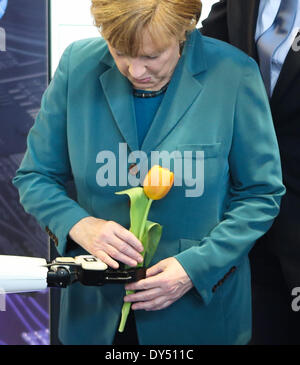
216	104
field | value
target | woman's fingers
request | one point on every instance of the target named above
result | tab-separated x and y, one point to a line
149	300
155	269
128	237
144	295
120	252
103	256
124	248
165	283
118	243
108	240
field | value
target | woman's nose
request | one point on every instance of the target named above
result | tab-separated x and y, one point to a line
136	68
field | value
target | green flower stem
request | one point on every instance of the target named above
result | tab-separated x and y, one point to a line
125	312
144	219
126	306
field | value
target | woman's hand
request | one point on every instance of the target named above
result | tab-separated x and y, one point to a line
165	283
108	241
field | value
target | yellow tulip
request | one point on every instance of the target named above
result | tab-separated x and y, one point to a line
156	185
158	182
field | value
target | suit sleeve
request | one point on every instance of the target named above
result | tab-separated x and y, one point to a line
45	170
215	25
255	190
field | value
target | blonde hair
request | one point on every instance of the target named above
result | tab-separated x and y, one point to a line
122	22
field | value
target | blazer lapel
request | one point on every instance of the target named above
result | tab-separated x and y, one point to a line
118	92
242	17
288	74
180	95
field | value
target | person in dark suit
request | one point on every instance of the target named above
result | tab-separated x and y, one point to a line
252	26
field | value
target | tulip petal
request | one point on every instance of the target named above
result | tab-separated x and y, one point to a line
158	182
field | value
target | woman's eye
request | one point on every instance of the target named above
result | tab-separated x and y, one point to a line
151	57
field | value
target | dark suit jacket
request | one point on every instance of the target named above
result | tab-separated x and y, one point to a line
234	21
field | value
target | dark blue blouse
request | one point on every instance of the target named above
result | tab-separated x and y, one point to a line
145	110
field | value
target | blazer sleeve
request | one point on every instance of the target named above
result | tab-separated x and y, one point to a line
45	170
255	191
215	25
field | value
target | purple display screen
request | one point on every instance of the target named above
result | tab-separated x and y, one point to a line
23	79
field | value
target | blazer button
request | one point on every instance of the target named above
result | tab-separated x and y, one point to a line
55	240
133	169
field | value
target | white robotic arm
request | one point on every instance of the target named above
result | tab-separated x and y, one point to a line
22	274
27	274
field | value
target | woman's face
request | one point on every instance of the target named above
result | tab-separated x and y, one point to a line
151	69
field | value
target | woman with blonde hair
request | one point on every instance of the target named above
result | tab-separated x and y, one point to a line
154	84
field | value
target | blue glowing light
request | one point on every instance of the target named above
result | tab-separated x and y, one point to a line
3	5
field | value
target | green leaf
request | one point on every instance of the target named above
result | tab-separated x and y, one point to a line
148	232
138	205
151	238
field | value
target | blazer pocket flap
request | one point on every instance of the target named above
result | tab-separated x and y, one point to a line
194	150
